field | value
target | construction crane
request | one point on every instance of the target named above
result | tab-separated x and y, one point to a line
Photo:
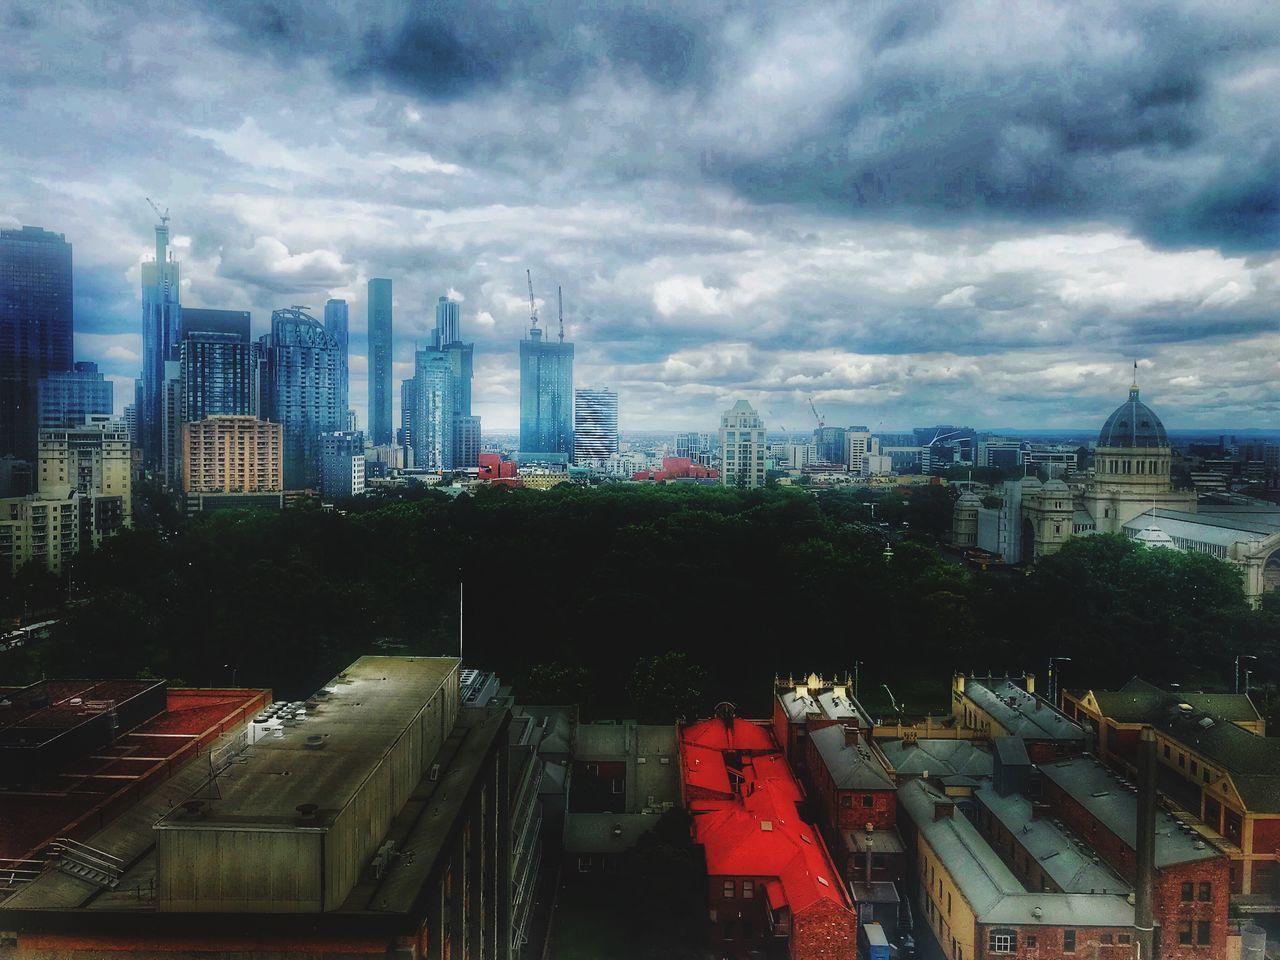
164	217
560	303
533	309
816	415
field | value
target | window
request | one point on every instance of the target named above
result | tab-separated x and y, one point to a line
1182	760
1195	768
748	889
616	785
1105	938
846	801
948	903
1123	938
1206	891
1030	941
728	890
1068	941
1202	933
1187	888
1004	941
1204	774
584	863
867	801
1166	751
1184	932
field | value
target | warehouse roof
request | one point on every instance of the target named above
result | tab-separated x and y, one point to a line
937	758
1141	702
851	764
1023	714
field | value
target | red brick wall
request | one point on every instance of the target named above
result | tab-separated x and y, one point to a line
733	911
825	931
1107	943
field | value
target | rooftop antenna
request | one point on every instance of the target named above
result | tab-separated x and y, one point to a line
560	302
533	310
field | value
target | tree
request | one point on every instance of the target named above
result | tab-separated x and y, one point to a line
556	683
665	687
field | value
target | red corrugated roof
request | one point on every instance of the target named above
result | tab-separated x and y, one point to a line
704	768
738	735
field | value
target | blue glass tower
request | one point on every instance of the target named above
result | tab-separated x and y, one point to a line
301	391
546	395
216	364
161	317
67	397
35	328
336	325
380	361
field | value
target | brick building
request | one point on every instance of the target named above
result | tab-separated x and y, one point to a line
1216	768
771	881
1192	886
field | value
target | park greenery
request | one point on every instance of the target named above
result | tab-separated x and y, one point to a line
633	601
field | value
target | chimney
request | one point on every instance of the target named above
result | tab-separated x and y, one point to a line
1145	852
850	734
1031	682
943	808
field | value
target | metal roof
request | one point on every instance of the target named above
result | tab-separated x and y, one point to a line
1217	530
1115	806
937	758
851	765
1023	714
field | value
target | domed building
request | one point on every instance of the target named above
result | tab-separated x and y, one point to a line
1130	492
1132	468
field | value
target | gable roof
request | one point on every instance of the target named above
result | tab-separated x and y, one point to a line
851	765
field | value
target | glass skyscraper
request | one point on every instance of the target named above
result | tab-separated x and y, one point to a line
216	364
301	391
448	321
595	424
35	329
546	395
67	397
336	325
380	361
433	415
161	318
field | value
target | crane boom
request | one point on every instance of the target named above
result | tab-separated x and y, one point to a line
816	415
164	217
533	309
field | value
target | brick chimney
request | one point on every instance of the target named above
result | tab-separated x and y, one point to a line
943	808
850	734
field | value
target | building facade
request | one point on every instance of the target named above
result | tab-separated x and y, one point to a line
216	360
380	360
337	325
342	464
232	454
546	395
161	323
65	398
95	460
595	424
302	387
742	447
432	425
35	329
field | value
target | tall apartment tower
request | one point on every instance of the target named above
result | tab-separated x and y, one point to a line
380	361
161	321
595	424
232	454
432	425
35	329
301	390
337	326
93	459
216	360
546	393
465	442
66	397
742	447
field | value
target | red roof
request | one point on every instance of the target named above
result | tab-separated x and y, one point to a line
739	734
704	768
88	791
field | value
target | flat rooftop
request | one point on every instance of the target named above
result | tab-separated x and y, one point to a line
1115	806
358	717
77	797
31	716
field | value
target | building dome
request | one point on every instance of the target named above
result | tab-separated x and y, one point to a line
1056	486
1133	424
969	499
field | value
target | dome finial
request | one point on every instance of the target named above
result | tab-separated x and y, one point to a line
1133	390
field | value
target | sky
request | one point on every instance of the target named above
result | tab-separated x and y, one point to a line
916	212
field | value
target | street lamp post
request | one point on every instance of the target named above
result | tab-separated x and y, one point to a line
1239	657
1055	688
856	665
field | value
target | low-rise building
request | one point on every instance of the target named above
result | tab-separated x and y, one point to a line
1010	707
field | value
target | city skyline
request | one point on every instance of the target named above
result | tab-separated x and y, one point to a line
981	249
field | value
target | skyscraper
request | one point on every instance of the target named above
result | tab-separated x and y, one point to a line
301	390
336	325
595	424
546	393
433	418
35	328
161	319
216	358
742	446
66	397
448	322
380	361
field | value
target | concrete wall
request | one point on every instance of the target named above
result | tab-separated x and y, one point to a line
250	870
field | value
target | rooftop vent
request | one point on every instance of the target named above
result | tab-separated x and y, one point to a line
308	812
1206	722
1185	708
193	809
766	825
315	742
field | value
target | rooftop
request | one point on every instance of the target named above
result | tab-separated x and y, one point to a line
851	764
1115	805
990	887
937	758
1023	714
1221	530
814	695
1141	702
366	710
